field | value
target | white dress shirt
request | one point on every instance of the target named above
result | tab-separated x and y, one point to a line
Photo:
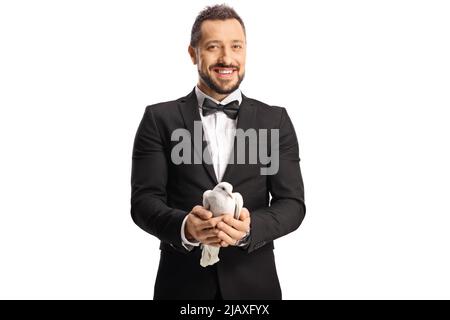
219	131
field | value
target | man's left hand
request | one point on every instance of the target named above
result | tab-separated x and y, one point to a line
232	230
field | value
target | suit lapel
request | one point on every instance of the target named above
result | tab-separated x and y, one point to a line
188	107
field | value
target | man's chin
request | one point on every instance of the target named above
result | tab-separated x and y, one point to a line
221	86
225	88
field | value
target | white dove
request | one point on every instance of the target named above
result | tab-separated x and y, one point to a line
219	200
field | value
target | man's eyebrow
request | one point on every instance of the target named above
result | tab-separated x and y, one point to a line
212	41
218	41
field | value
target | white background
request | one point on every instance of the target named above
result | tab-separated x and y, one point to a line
366	84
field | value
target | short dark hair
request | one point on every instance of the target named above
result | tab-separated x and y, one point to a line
217	12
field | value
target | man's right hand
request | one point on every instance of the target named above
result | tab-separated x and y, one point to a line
201	226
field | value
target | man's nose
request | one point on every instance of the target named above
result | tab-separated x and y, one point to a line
225	56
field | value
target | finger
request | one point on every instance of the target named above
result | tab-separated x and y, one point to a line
243	226
244	214
232	232
209	233
225	237
224	244
195	219
212	241
211	223
198	223
202	213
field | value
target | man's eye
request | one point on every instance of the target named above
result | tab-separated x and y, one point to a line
237	46
212	47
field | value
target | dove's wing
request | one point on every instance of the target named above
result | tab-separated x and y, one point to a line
205	199
239	204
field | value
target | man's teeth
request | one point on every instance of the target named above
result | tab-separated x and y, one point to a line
224	71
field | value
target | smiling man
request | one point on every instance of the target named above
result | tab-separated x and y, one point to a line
219	55
167	193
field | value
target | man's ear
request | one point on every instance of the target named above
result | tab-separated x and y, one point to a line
193	54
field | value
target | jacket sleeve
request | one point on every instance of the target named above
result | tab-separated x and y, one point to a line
149	208
287	207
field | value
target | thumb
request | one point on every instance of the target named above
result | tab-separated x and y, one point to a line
202	213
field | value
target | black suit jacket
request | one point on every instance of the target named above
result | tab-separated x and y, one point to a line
164	193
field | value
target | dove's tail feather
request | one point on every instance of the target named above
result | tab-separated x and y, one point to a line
210	256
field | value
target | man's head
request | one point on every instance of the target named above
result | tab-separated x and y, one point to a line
218	48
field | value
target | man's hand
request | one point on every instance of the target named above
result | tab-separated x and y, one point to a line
201	226
233	230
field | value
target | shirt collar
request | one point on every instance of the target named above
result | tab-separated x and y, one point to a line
235	95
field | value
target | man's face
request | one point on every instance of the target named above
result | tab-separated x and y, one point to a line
220	55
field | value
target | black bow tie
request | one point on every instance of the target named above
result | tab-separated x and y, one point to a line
230	109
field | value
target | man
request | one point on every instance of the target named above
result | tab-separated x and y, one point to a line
167	193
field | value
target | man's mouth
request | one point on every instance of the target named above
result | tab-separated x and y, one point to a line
222	72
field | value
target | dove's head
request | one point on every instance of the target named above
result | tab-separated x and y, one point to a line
224	188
